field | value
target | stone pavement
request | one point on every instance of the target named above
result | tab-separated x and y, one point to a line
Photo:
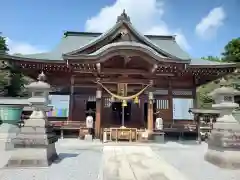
136	163
189	160
83	164
80	160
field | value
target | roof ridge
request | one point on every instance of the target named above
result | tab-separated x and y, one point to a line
79	33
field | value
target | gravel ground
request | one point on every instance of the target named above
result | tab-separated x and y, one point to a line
189	159
82	164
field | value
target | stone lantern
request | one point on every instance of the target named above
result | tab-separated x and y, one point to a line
35	144
224	142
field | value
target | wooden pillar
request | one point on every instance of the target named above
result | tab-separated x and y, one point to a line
170	98
98	112
142	101
150	109
71	100
194	93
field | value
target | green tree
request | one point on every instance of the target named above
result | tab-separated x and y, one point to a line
204	100
11	79
4	75
232	51
212	58
3	45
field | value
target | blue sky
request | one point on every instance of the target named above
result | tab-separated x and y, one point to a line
203	27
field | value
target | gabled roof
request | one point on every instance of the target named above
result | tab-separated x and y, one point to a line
124	22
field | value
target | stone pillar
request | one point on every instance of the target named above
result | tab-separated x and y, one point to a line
224	142
35	144
98	112
10	115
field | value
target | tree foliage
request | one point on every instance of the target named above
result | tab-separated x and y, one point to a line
4	75
232	51
212	58
204	100
11	79
3	45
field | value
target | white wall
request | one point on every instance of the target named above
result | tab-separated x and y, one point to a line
181	107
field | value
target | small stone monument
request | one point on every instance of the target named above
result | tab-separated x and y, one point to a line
224	141
35	144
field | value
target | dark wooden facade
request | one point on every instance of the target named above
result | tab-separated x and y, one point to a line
122	56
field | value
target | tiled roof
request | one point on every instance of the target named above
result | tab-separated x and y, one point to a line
74	41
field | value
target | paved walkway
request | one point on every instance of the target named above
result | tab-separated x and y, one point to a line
81	160
136	163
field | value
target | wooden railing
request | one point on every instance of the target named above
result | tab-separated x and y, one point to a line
63	126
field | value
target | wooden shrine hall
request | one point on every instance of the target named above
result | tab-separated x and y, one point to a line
125	77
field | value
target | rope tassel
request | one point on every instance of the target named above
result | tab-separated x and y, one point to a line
124	103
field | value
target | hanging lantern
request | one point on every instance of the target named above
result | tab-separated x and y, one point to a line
150	95
124	103
136	100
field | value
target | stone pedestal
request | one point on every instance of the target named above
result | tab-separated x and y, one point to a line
224	142
35	144
224	149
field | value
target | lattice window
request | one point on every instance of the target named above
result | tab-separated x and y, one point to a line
92	99
182	92
107	102
162	103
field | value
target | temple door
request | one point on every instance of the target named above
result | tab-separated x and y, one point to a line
106	112
136	116
79	108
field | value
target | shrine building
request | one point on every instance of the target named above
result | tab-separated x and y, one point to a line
123	76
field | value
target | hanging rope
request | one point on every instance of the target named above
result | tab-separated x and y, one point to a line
123	97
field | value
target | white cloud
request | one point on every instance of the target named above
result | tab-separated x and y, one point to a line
22	47
146	15
209	25
164	30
